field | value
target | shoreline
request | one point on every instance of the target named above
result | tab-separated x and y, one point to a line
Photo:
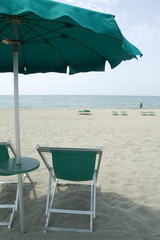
82	101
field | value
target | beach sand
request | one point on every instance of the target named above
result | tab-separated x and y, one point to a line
128	187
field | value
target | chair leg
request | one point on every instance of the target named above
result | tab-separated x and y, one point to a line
47	222
49	205
67	211
11	218
17	196
94	199
14	208
49	191
91	207
54	191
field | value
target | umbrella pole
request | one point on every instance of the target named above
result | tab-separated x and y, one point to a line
17	125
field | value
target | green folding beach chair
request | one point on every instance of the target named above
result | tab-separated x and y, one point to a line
151	113
84	112
72	166
5	149
144	113
124	113
115	113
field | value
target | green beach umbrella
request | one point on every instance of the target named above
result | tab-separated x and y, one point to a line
48	36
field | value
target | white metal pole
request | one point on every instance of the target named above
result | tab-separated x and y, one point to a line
17	125
16	107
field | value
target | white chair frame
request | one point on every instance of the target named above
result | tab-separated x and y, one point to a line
13	206
50	197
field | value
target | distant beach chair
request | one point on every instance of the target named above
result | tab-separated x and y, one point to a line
5	170
115	113
143	113
151	113
84	112
76	165
124	113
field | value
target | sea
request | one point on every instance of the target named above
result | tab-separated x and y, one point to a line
81	101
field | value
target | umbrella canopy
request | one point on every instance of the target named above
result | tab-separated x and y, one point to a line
48	36
53	35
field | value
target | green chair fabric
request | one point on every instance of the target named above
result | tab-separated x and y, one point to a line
4	155
74	166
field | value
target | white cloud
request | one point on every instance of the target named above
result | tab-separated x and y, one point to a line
97	5
158	20
141	34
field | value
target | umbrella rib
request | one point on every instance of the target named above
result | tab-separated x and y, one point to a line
1	31
43	38
47	42
84	45
33	25
30	29
40	40
55	30
75	25
66	63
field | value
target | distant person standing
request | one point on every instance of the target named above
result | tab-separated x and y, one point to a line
141	105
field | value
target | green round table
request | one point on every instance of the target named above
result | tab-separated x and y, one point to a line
11	168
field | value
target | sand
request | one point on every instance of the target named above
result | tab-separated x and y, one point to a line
128	187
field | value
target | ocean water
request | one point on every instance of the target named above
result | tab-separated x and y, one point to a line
81	101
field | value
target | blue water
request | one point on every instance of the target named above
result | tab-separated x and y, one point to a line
81	101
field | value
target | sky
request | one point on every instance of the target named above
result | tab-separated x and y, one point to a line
139	21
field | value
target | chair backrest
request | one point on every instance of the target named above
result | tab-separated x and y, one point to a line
74	165
4	155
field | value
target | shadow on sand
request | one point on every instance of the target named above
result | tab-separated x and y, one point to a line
117	217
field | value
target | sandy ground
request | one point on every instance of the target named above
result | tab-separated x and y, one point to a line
128	187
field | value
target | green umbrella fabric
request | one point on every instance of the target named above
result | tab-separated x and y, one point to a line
53	36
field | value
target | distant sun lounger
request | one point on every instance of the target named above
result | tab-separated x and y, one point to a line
115	113
124	113
84	112
143	113
151	113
